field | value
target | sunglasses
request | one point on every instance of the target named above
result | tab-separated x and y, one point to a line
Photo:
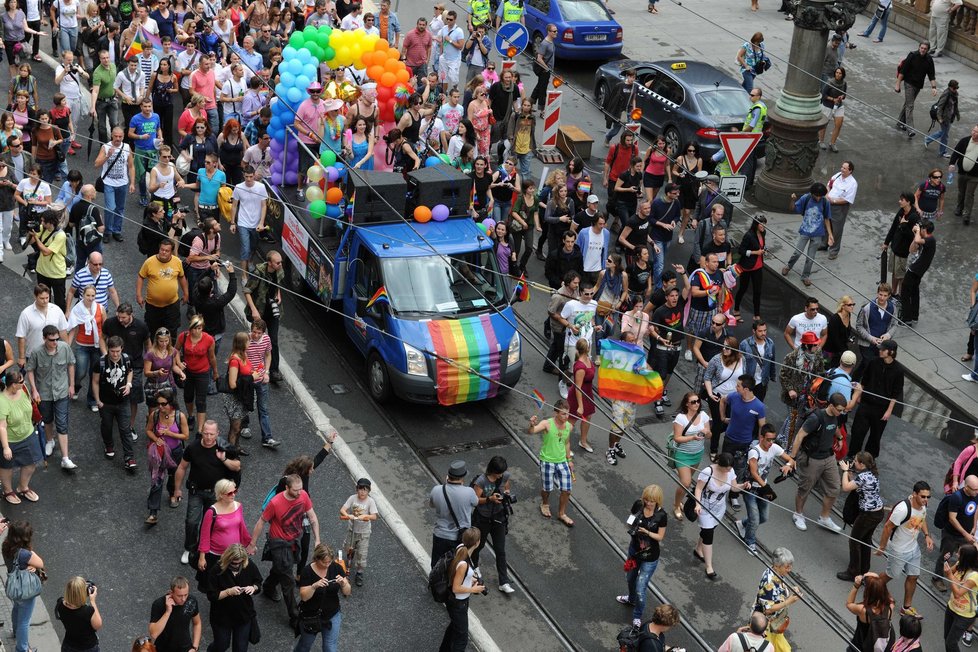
54	338
719	323
693	400
850	304
162	403
937	176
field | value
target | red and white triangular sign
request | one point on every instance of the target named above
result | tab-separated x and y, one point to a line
738	145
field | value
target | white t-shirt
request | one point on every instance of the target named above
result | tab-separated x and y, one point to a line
714	496
250	201
580	315
802	324
27	186
904	537
355	507
67	13
351	22
593	260
233	88
69	83
844	187
31	323
186	64
764	458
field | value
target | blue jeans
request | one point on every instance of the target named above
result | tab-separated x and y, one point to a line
49	170
940	135
67	38
615	128
756	516
883	21
261	401
249	243
86	360
501	211
638	579
115	207
748	83
213	120
659	262
523	160
21	615
331	636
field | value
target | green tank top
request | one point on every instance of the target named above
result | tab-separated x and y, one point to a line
554	447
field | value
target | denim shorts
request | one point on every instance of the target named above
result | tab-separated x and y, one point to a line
56	412
249	241
903	564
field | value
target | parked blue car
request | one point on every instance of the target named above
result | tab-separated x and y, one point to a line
585	28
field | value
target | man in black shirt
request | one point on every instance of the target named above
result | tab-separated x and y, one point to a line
111	385
135	339
718	245
922	252
564	259
85	224
882	384
584	219
208	463
960	528
912	71
817	463
636	231
670	279
666	212
172	616
667	338
626	192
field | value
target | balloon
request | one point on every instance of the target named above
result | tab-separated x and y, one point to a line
334	211
432	161
277	178
301	82
340	171
332	175
313	193
309	31
393	53
382	46
297	40
334	196
402	75
309	70
375	72
439	213
291	177
289	52
383	93
315	173
388	79
328	54
391	65
325	29
490	224
287	80
327	158
485	227
368	59
422	214
304	56
317	209
343	56
295	67
294	95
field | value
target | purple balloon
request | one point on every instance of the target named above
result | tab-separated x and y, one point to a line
276	178
332	175
291	178
276	147
439	213
489	224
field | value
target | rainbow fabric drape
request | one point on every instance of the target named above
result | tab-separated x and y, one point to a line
471	343
624	376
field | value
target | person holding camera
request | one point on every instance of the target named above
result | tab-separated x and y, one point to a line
263	294
647	528
491	516
320	585
51	246
860	475
78	611
762	454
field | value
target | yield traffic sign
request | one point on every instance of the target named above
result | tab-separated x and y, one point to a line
738	145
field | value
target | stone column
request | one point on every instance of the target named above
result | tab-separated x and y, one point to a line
792	147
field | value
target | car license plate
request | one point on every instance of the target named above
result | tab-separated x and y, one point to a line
595	37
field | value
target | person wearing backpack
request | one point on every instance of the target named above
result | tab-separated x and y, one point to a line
873	614
812	449
453	503
18	552
465	582
862	477
955	516
963	580
749	638
906	519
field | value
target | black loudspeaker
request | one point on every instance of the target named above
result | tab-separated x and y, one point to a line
376	192
440	184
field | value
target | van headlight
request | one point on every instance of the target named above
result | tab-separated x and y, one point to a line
513	355
415	361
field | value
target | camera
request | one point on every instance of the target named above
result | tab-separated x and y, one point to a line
784	476
633	531
274	309
91	586
508	501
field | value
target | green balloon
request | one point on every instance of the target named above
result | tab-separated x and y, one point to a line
317	209
327	158
325	29
328	53
315	51
297	40
309	31
322	40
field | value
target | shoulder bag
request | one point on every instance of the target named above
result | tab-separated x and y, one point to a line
444	489
689	505
100	182
672	446
22	584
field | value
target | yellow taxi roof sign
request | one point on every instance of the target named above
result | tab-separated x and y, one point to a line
679	65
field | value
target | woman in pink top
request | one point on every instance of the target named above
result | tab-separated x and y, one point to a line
964	465
223	524
658	171
636	321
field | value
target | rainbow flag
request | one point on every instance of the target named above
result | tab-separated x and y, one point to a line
157	44
380	296
522	288
139	42
538	399
624	376
470	344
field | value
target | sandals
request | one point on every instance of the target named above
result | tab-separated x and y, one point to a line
29	495
736	314
174	502
11	497
678	513
566	520
967	358
545	510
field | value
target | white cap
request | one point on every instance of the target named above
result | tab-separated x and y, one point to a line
592	199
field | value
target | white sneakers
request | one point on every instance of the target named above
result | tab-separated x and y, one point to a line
827	523
688	356
741	530
48	448
799	521
67	464
185	557
507	588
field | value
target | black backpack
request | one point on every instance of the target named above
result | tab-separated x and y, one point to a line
941	516
440	578
630	638
880	636
187	241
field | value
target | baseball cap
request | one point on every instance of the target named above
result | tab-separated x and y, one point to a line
848	358
363	482
809	338
592	199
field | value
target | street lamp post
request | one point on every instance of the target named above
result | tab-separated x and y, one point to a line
792	147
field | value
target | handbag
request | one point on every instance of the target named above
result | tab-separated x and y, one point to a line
254	635
689	505
672	446
100	182
313	623
183	163
21	583
972	320
779	623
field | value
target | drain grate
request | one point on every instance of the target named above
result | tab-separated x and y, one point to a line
462	447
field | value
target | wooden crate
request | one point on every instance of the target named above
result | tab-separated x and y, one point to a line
574	141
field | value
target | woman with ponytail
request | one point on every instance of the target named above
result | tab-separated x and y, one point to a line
862	477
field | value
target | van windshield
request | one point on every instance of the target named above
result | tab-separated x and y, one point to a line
432	285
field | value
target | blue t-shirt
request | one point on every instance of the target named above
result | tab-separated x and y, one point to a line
143	125
209	187
813	215
743	417
841	384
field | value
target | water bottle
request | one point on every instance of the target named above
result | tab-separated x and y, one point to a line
950	178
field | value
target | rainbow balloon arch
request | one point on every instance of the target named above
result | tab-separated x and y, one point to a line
337	49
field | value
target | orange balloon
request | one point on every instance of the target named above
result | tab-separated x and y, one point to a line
375	72
402	76
381	46
391	65
367	58
422	214
334	196
393	53
388	79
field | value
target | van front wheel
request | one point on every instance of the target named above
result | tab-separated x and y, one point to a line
378	381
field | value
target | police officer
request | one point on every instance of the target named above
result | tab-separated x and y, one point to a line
510	11
479	13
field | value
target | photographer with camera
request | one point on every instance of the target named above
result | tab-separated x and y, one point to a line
263	294
647	528
492	514
860	475
78	611
762	454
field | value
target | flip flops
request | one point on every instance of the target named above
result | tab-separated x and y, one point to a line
545	510
566	520
29	495
11	497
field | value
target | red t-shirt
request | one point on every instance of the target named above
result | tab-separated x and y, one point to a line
244	367
618	160
284	516
195	355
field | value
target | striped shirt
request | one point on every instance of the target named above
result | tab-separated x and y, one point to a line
256	352
83	278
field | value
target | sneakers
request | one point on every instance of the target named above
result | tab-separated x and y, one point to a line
358	580
246	433
109	453
752	548
132	434
562	388
939	584
966	376
585	447
735	503
910	611
822	146
967	638
93	408
618	451
827	523
636	622
67	464
688	356
611	457
741	530
659	410
271	443
799	521
665	398
130	464
185	557
506	588
48	448
833	148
